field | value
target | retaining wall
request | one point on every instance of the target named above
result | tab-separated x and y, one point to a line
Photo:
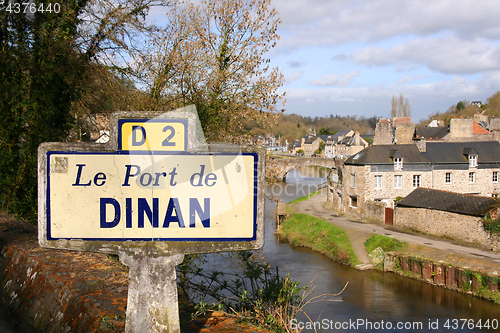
439	223
58	291
447	276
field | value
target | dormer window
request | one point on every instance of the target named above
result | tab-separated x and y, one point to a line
471	155
472	161
397	158
398	163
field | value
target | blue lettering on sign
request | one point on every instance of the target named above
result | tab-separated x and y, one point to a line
116	206
173	203
147	178
143	207
79	176
197	178
99	178
135	142
152	213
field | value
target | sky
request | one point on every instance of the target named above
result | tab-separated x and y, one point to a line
347	57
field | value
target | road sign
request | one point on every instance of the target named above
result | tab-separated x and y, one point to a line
102	197
152	134
155	192
161	197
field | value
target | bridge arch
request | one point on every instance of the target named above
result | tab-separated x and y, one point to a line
277	168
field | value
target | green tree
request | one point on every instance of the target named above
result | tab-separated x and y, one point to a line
39	72
324	131
460	106
46	59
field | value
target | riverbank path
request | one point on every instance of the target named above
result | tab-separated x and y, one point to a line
359	231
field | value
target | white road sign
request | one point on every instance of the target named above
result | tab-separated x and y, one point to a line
112	196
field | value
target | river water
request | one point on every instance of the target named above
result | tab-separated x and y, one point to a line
373	301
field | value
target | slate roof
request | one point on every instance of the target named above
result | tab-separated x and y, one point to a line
335	137
349	140
453	152
431	133
381	154
436	153
311	139
449	202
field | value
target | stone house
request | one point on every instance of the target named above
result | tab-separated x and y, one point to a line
350	145
311	145
331	142
295	147
443	213
382	173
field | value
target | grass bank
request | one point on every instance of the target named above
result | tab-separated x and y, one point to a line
386	243
308	231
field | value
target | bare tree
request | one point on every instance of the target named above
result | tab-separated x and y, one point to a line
213	55
400	107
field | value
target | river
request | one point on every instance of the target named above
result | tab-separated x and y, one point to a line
373	301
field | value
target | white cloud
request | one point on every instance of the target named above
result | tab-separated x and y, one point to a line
444	54
376	100
326	80
410	79
341	22
334	80
293	76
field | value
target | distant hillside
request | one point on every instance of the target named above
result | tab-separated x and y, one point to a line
465	110
293	127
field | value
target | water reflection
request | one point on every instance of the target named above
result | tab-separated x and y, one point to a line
371	296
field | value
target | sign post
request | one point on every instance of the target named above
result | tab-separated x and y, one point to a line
152	194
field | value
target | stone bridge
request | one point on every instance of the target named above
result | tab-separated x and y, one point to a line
278	167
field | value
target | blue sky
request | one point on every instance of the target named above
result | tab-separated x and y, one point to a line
347	57
350	57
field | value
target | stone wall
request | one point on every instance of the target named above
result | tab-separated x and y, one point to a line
374	211
278	167
461	128
404	133
483	184
383	133
352	196
58	291
447	276
439	223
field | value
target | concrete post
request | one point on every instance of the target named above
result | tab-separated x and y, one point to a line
152	304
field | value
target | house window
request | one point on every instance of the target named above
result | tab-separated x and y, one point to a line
448	178
378	182
472	161
353	181
416	181
398	181
398	163
495	176
472	177
354	201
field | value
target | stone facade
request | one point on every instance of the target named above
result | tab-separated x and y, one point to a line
311	145
404	133
443	167
366	192
439	223
383	132
483	185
